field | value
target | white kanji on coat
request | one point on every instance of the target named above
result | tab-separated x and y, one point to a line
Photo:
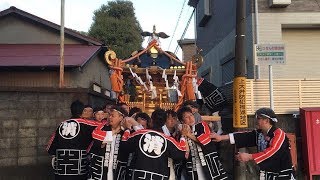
153	143
69	129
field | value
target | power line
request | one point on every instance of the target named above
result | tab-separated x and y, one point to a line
185	30
174	31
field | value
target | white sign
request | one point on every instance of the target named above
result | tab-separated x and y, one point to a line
96	88
266	54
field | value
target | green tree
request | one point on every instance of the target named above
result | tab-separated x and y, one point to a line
117	27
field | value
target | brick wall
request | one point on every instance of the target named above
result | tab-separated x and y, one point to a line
188	50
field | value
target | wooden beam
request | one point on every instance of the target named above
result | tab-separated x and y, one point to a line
211	118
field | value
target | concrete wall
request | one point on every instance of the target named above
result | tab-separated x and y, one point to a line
27	120
11	33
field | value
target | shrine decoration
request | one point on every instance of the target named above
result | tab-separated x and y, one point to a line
116	68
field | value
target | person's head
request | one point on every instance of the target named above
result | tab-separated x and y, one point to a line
87	112
116	116
98	114
265	118
192	105
158	119
107	110
185	115
134	111
124	106
76	109
143	119
171	121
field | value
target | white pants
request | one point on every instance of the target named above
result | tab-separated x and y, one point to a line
200	172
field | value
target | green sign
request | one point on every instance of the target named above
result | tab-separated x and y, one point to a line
270	54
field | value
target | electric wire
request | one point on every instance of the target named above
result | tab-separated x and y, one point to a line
179	17
185	30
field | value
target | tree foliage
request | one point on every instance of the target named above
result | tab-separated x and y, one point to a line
116	26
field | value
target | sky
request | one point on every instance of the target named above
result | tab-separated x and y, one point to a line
79	13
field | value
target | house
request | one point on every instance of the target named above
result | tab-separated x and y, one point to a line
32	104
30	48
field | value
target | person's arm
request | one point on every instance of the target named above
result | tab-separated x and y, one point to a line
131	124
217	138
203	133
101	135
52	144
274	146
240	139
129	140
178	150
186	131
242	157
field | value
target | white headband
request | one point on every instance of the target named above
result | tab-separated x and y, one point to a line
119	112
273	119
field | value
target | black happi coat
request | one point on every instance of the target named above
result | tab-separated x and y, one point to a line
151	152
206	150
100	155
69	145
274	149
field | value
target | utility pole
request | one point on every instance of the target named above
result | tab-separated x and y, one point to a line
239	82
61	79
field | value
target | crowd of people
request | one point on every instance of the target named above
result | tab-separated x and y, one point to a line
115	142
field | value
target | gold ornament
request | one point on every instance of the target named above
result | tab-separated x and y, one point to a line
110	56
197	58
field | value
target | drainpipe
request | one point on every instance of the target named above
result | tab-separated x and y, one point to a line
256	17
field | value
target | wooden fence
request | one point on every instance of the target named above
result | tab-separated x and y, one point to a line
288	95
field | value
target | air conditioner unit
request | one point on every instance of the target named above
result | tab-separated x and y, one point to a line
279	3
